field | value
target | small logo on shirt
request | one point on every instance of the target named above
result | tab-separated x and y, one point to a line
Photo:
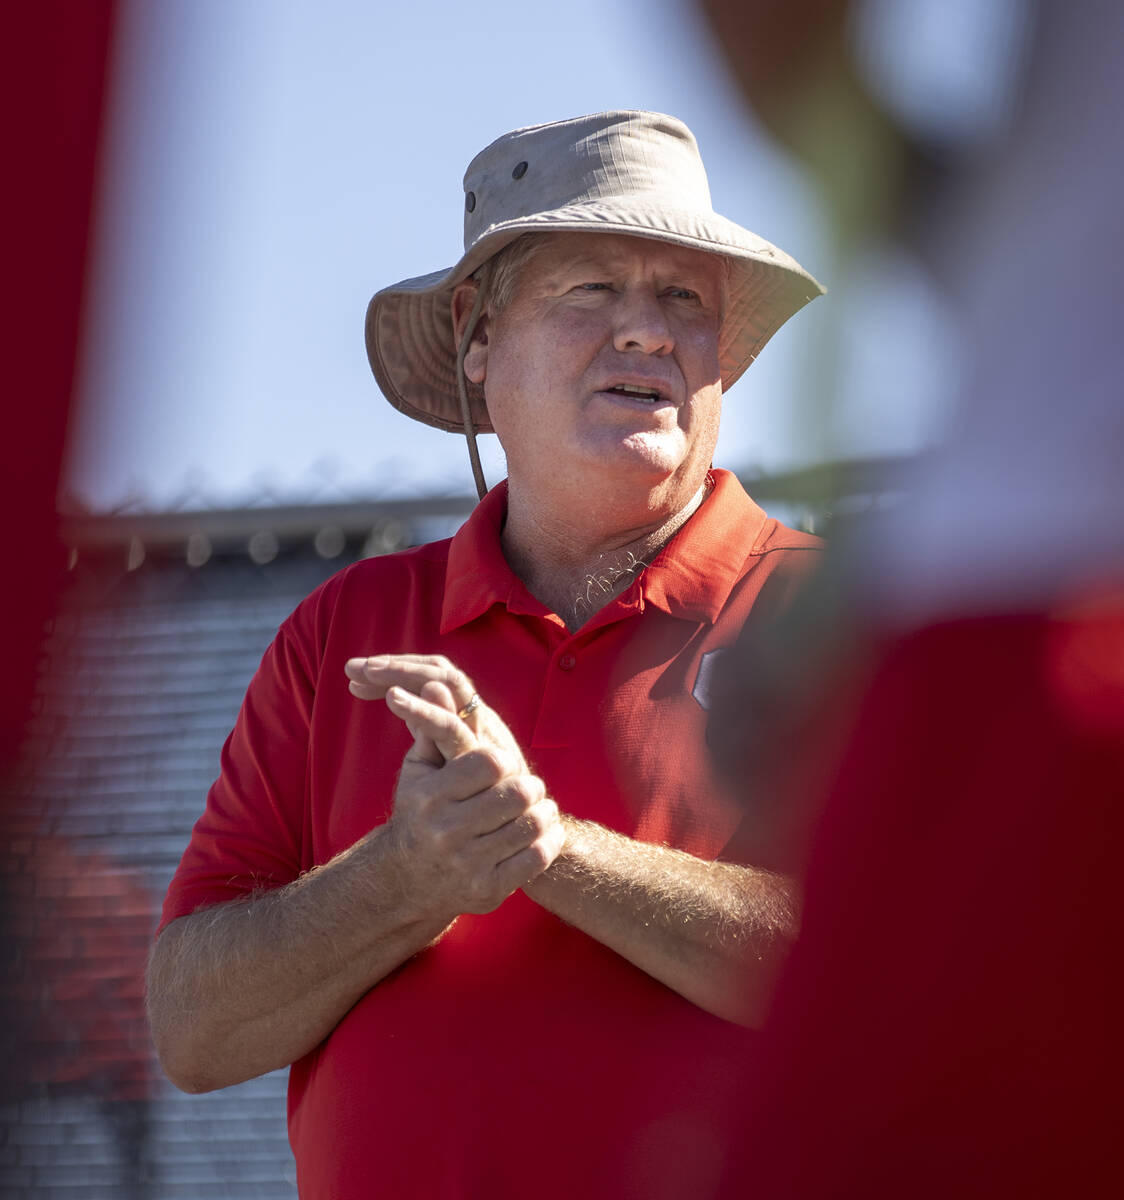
703	681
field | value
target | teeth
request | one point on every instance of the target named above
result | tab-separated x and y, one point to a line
647	393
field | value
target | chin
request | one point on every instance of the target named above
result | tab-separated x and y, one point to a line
657	457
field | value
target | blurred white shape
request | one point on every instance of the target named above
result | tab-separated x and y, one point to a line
330	542
901	356
263	546
198	549
1025	500
947	69
385	537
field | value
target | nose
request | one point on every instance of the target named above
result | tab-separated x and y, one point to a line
642	324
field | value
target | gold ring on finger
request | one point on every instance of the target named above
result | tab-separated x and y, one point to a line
470	707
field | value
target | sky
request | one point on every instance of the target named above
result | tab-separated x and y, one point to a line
270	164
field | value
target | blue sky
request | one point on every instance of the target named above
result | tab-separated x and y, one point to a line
272	163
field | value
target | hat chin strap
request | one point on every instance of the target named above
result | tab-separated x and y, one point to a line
462	382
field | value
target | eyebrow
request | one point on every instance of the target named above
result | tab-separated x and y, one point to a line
609	262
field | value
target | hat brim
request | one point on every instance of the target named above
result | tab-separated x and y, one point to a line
409	327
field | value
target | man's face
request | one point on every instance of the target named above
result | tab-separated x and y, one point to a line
603	368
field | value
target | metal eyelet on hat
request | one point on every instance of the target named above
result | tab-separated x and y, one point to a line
519	170
469	201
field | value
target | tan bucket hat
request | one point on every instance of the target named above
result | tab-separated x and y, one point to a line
636	173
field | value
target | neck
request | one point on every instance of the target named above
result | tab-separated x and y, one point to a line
575	572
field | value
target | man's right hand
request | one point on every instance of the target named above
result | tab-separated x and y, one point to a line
470	825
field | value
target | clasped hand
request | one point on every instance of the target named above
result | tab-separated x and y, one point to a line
471	823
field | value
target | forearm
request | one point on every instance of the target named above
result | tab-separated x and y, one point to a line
716	933
245	987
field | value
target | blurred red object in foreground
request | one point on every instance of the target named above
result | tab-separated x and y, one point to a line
54	76
950	1022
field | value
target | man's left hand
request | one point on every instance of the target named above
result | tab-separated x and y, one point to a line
434	678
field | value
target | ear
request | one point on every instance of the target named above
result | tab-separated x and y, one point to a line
476	359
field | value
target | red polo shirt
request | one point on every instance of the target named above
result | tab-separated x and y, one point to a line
518	1056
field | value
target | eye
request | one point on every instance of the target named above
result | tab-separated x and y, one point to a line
592	287
682	293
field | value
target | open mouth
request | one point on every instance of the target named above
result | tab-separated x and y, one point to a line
649	394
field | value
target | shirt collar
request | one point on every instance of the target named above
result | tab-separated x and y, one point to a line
692	576
477	574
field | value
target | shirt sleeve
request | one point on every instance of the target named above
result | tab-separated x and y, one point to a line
251	834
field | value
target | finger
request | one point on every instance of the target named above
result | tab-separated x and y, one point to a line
433	690
474	713
366	691
505	801
356	669
424	749
523	831
439	694
529	863
431	660
424	719
359	685
357	666
462	784
413	672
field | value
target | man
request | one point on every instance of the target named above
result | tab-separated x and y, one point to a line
466	866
